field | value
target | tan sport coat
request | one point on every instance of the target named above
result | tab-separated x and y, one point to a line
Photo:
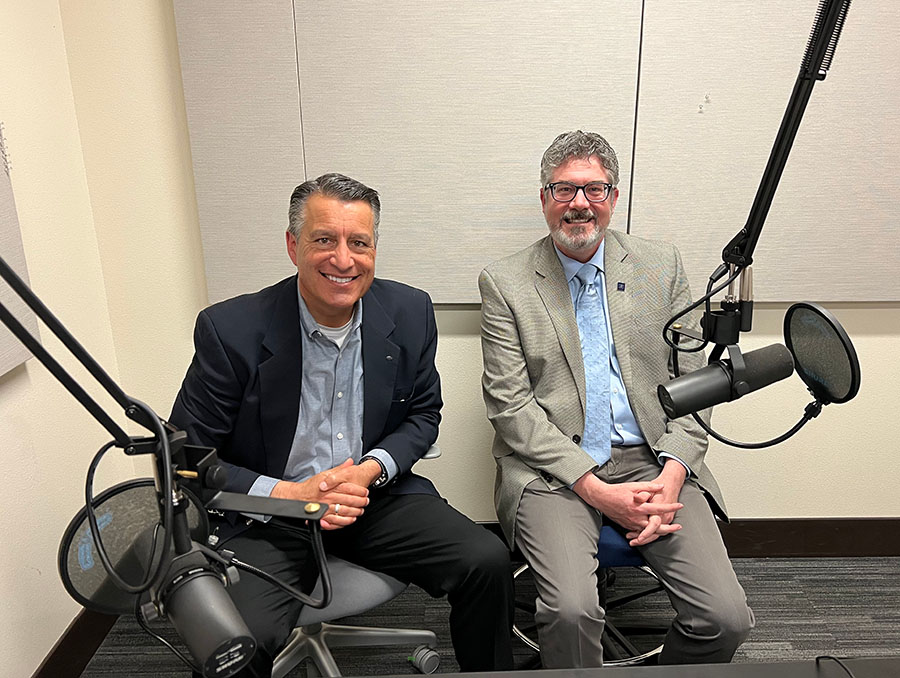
533	378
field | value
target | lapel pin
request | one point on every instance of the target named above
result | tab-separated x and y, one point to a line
388	357
620	286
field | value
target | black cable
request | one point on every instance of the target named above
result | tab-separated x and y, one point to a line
705	299
753	446
95	530
287	588
837	661
139	616
164	455
810	412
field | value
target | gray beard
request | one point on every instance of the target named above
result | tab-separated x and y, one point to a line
589	235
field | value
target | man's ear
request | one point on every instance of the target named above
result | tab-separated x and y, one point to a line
291	243
614	198
543	198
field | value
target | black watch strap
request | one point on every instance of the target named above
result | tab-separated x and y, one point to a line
382	478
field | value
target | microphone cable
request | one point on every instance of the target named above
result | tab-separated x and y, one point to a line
706	300
156	573
142	622
810	412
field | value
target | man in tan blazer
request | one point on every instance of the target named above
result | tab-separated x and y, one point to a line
563	467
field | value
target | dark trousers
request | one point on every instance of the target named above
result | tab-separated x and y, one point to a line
416	538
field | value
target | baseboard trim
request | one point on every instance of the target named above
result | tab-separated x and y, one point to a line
804	537
812	537
76	646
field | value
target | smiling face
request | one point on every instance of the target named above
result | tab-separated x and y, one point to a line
577	227
335	257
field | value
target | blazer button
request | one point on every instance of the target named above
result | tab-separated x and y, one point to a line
576	439
546	476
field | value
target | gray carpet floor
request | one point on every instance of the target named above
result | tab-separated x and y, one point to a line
849	607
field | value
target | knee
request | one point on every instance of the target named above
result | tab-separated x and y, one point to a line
481	568
569	608
735	627
487	556
727	625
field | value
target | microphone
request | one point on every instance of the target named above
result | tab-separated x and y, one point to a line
715	383
192	596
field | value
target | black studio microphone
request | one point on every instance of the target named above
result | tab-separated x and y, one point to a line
715	383
192	596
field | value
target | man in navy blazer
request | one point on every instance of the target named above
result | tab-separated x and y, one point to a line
323	387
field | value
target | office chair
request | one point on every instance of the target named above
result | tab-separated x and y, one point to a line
625	643
355	590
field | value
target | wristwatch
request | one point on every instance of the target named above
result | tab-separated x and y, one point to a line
382	478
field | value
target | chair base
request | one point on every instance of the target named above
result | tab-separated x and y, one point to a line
313	642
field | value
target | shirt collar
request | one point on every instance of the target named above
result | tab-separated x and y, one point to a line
572	266
309	325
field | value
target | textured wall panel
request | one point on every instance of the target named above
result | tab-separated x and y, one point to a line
12	353
239	67
446	110
715	82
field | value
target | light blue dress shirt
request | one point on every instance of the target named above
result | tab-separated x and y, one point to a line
624	430
330	420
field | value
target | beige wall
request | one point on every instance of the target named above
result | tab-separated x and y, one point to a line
90	96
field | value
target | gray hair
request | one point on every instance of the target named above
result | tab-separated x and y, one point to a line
578	144
331	185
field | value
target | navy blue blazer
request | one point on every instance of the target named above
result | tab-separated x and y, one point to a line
241	393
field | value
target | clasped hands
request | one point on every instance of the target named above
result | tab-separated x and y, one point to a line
345	488
645	509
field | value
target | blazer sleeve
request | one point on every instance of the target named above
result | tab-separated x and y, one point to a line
207	405
512	407
418	415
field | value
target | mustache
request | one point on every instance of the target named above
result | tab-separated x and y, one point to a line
578	215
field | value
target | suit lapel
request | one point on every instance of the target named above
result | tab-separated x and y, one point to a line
279	380
380	359
620	283
552	287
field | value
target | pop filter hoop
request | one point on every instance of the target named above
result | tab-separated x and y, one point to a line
824	356
123	512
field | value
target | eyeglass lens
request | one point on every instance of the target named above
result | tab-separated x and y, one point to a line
565	192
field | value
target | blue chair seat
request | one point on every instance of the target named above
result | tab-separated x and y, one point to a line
613	550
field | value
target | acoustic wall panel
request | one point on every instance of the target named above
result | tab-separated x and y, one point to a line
715	82
239	66
446	109
12	352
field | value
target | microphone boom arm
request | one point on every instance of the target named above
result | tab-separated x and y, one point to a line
823	39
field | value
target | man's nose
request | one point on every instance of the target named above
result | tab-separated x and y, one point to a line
341	257
580	199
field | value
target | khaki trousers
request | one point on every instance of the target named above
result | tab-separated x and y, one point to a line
558	533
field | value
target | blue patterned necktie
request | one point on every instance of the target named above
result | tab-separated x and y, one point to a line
595	353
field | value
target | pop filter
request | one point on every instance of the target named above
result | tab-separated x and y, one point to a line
823	353
123	512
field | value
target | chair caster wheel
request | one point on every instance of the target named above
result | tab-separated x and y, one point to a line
425	660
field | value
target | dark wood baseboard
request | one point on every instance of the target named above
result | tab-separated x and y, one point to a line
803	537
811	537
76	646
